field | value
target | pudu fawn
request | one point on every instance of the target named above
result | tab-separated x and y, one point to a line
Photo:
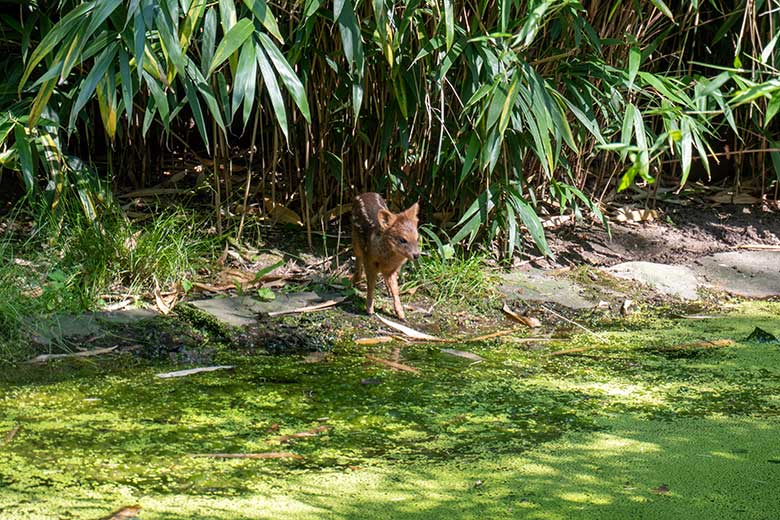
383	241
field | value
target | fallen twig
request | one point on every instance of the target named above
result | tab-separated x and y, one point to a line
86	353
374	341
11	434
564	318
302	435
718	343
267	455
182	373
461	353
309	308
392	364
410	332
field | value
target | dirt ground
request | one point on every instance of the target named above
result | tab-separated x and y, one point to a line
681	235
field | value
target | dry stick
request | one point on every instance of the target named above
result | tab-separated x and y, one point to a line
267	455
586	329
9	437
217	197
248	175
392	364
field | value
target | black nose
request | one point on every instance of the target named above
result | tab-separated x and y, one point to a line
416	255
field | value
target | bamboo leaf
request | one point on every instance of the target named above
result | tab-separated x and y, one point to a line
25	157
197	112
287	74
261	11
245	79
209	39
352	43
273	91
127	83
663	8
160	100
234	39
449	23
634	57
52	38
88	86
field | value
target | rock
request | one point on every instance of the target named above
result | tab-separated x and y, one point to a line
536	285
672	280
750	274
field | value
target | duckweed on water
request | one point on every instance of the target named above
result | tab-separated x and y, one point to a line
522	434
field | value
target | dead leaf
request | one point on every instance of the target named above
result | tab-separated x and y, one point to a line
302	435
188	372
213	288
165	302
462	353
374	341
309	308
265	455
86	353
556	221
528	321
729	197
625	308
635	215
125	513
663	489
280	213
392	364
410	332
119	305
35	292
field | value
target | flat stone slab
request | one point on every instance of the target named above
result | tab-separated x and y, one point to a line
240	311
672	280
56	328
749	274
538	286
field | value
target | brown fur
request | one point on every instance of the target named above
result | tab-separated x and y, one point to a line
383	241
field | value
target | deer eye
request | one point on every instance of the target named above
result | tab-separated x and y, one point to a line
402	240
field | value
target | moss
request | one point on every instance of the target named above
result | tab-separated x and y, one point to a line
521	434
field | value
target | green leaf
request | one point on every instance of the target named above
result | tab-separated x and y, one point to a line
531	221
265	294
287	74
209	40
772	108
59	32
245	80
197	112
87	87
634	57
663	8
449	23
227	14
139	42
273	90
259	275
25	157
234	39
127	82
686	147
260	9
352	43
160	100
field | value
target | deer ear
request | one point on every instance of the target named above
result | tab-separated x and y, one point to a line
385	219
412	211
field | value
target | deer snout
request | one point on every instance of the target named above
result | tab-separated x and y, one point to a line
415	254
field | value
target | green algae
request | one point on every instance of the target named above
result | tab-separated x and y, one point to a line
521	434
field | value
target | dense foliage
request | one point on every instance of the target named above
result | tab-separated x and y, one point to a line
492	112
